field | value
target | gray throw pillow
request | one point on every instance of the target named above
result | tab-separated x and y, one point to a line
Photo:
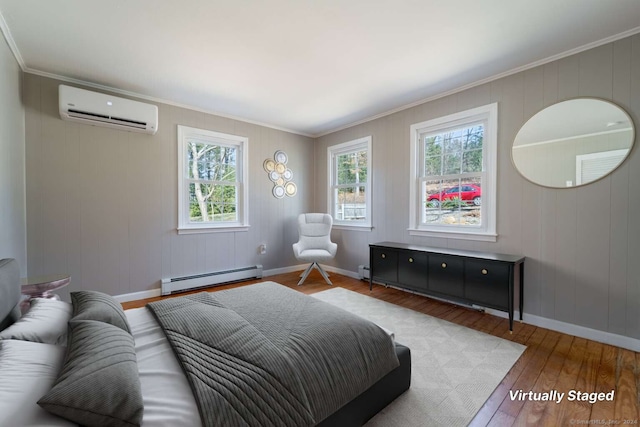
93	305
98	384
46	322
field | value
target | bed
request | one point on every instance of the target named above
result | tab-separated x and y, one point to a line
231	357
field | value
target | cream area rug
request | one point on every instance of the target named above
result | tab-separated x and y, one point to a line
454	369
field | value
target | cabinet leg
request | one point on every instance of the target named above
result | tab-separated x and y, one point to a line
511	321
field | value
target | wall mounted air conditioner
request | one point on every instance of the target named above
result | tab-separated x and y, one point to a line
98	109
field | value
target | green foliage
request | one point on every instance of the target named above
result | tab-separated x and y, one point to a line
352	167
454	152
453	203
214	166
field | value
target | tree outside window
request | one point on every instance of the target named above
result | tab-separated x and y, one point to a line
453	175
349	178
212	180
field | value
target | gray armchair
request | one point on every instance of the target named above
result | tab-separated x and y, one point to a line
314	244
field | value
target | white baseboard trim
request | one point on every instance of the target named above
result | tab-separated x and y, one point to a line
543	322
133	296
571	329
284	270
347	273
559	326
301	267
152	293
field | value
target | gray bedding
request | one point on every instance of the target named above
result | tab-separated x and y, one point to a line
9	291
267	355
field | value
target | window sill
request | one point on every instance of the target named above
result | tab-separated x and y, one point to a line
352	227
219	229
455	234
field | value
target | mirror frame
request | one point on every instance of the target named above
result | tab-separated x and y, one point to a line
633	143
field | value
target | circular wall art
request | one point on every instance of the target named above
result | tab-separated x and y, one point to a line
278	191
290	189
280	175
269	165
280	156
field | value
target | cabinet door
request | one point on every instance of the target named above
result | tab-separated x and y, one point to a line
384	264
487	283
446	275
412	270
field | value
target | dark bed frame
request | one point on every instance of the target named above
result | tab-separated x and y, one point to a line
373	400
355	413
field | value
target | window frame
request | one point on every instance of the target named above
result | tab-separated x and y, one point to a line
333	152
185	133
488	115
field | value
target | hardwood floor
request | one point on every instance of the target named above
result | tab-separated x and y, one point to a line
552	361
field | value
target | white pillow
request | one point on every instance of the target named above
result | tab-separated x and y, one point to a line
27	372
45	322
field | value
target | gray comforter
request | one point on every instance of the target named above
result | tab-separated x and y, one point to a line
268	355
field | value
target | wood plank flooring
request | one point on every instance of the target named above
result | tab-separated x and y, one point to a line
552	361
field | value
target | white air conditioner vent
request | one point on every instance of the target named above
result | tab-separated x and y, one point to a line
98	109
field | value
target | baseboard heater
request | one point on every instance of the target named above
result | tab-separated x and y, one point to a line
363	272
186	283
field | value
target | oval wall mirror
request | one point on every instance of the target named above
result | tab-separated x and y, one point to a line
573	143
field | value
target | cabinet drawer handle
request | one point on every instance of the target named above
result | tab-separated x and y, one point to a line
410	259
444	265
484	271
384	256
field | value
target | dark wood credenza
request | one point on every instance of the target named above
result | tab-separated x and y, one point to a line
467	277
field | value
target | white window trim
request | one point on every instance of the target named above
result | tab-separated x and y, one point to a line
184	226
345	147
487	233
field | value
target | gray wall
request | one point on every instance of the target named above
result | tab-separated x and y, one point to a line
102	203
582	244
13	231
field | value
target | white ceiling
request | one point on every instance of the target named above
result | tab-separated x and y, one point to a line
302	65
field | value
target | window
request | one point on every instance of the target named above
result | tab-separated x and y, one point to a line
212	174
453	175
349	183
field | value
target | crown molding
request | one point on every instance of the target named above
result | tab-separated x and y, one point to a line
25	69
516	70
16	53
11	42
159	100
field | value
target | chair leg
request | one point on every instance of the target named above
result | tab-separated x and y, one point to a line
319	268
324	273
306	273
